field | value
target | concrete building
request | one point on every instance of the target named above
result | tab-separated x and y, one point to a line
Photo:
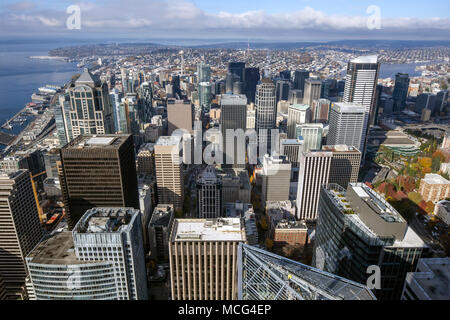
347	125
103	258
20	230
266	111
159	230
180	115
358	228
320	110
209	194
169	171
311	134
430	281
146	159
276	174
245	211
345	162
314	172
292	148
297	114
204	258
442	210
400	91
290	233
236	185
312	91
299	79
98	171
434	187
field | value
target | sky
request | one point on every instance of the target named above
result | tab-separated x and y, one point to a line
287	20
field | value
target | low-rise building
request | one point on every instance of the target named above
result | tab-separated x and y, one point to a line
434	187
289	232
245	211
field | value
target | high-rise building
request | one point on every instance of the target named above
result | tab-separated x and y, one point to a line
266	111
400	91
344	168
251	80
102	259
320	110
115	97
267	276
311	91
360	86
346	125
295	96
169	171
311	134
285	75
314	172
90	107
236	186
429	281
276	175
62	119
180	115
292	148
146	159
424	101
20	230
356	229
203	72
209	194
204	258
233	116
441	101
297	114
237	69
299	79
282	89
204	95
3	293
98	171
159	230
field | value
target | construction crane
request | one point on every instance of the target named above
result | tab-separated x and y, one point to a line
40	211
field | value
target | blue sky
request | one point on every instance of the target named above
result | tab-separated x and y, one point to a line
268	19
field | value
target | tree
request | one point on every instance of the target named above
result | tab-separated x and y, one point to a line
429	208
415	197
269	244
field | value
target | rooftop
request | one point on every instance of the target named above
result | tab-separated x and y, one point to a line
348	107
168	141
106	220
433	178
301	107
221	229
434	277
365	59
104	141
162	215
340	148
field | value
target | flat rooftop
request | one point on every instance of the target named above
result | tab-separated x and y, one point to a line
106	141
365	59
106	220
161	215
221	229
348	107
433	178
168	141
434	277
340	148
301	107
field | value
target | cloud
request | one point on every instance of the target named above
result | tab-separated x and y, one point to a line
21	6
183	18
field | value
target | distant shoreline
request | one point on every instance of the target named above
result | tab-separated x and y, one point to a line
48	58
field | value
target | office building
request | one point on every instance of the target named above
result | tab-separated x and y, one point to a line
203	72
434	187
290	233
3	293
20	230
102	259
282	90
314	172
233	116
311	91
276	174
358	228
295	96
266	112
236	185
209	194
267	276
146	159
245	211
346	125
237	69
441	102
297	114
169	171
159	232
61	109
400	91
311	134
285	75
360	86
180	115
204	258
430	281
344	168
292	148
299	79
90	107
251	80
425	101
98	171
204	95
320	110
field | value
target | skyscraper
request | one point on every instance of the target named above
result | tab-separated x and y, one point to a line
292	148
159	230
169	171
204	95
299	79
20	230
360	86
400	91
276	175
345	163
238	69
346	124
233	115
98	171
146	159
203	72
204	258
266	111
103	258
282	89
311	134
320	110
251	80
180	115
297	114
311	91
358	228
209	194
314	172
90	107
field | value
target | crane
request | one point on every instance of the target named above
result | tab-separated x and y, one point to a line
40	211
